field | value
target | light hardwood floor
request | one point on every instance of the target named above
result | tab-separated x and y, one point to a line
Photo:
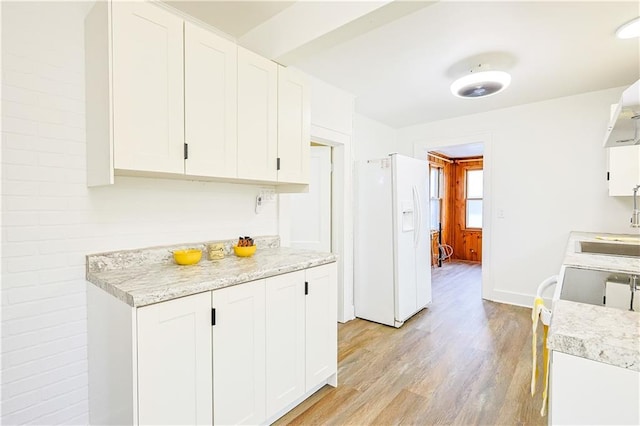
462	361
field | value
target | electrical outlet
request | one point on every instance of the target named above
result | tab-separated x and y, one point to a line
267	194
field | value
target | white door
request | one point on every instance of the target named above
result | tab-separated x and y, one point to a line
285	323
174	361
310	223
239	354
294	126
257	117
321	324
148	93
210	67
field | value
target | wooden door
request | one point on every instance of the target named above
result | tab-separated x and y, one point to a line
285	323
239	354
148	94
210	103
321	324
174	361
257	117
294	126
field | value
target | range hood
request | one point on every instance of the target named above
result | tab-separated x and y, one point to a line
624	127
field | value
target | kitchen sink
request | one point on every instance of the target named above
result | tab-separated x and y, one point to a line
611	249
601	288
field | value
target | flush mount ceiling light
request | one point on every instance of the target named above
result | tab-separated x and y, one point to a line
480	82
629	30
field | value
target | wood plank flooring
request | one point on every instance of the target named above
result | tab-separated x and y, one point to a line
461	361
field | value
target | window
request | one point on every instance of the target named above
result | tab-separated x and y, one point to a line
474	198
435	195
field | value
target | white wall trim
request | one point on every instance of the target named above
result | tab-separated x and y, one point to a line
420	150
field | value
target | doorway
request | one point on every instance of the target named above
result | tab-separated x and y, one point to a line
478	145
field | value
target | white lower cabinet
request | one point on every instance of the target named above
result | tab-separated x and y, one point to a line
321	318
285	349
584	391
174	362
244	354
238	354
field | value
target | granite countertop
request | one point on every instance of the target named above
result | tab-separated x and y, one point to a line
629	265
144	277
598	333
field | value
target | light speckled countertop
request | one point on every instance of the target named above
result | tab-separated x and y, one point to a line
602	334
600	262
147	276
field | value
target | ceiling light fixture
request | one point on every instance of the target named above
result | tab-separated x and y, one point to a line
480	83
629	30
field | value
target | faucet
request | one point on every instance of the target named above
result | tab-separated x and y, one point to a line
635	215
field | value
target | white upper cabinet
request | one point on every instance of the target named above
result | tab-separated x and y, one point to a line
294	126
174	362
166	97
210	84
257	117
624	170
148	96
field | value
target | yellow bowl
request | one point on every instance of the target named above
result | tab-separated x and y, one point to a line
187	257
244	251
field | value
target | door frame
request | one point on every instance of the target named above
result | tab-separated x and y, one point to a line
421	150
341	214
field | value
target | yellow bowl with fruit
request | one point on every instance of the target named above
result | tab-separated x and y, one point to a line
187	257
247	251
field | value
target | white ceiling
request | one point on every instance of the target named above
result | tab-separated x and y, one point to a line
462	151
400	58
235	18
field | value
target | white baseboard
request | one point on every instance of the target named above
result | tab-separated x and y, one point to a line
348	315
517	299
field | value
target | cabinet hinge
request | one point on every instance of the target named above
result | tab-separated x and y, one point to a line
278	164
306	287
607	175
213	316
186	150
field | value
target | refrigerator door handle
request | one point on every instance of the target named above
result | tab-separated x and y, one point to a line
418	217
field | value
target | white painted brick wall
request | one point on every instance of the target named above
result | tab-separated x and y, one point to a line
51	220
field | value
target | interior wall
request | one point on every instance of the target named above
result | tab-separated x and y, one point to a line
372	139
51	220
547	177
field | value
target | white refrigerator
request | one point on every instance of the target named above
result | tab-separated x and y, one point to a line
392	268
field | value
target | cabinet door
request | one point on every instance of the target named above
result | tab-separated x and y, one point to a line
294	126
587	392
239	354
210	86
148	98
624	170
257	116
174	361
321	324
285	340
